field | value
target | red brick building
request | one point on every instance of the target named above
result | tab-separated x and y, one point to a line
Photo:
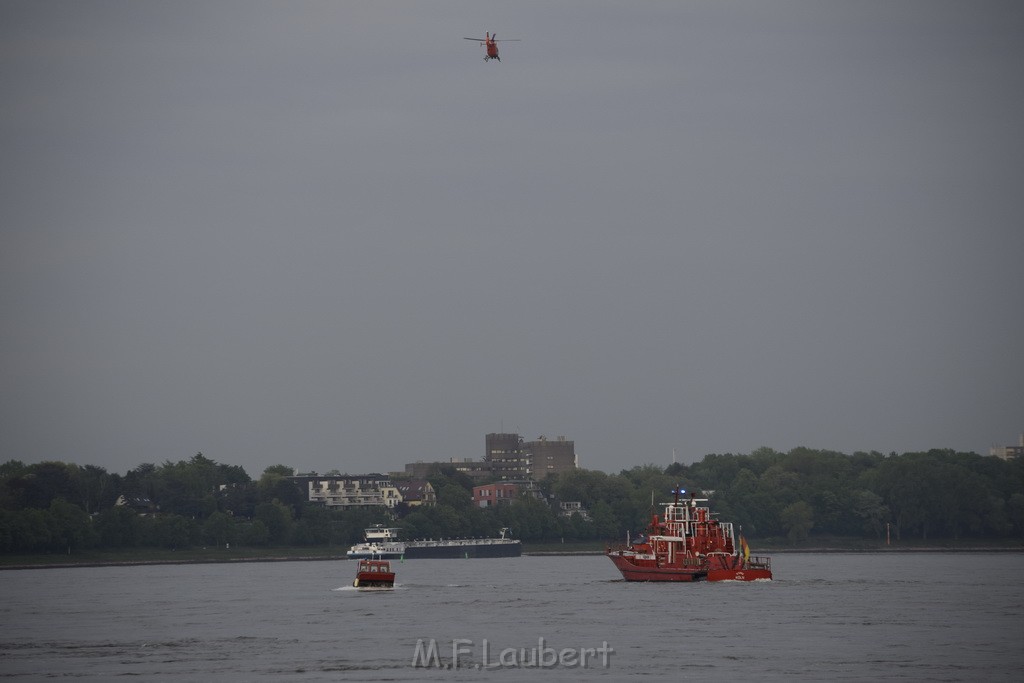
494	494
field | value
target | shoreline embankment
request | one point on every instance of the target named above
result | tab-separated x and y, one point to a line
531	553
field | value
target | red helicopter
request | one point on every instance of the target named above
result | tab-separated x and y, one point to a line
491	43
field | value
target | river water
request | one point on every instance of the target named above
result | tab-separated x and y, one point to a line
853	617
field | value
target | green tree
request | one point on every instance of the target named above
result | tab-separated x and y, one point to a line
97	488
118	527
239	499
28	530
171	531
419	524
532	520
605	524
798	519
1015	512
255	533
219	529
448	473
871	510
72	528
453	496
278	520
275	485
188	487
232	475
41	483
141	482
315	527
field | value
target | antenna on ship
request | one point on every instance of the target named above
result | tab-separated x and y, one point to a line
676	491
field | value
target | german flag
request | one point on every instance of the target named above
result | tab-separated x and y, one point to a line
745	548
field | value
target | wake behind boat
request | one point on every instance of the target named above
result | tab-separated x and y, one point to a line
687	544
383	542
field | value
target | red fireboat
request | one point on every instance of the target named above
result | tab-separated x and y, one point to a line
374	574
687	544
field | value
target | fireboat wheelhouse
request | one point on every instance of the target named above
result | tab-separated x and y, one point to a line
374	574
686	543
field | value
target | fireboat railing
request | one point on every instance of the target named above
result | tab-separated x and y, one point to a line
756	562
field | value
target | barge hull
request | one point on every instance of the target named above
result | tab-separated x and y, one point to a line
413	551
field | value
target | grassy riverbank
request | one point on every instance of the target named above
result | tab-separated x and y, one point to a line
162	556
822	544
847	544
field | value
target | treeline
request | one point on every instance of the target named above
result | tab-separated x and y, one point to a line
805	492
56	506
63	507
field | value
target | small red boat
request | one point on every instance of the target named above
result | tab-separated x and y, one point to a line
687	544
374	574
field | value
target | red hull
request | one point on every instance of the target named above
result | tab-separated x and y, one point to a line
641	571
634	572
740	575
366	580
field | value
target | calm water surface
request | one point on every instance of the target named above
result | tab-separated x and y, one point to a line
857	617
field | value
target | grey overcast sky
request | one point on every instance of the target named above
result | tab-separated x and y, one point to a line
329	235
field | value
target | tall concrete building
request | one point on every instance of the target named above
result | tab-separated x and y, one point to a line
512	459
506	457
551	456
